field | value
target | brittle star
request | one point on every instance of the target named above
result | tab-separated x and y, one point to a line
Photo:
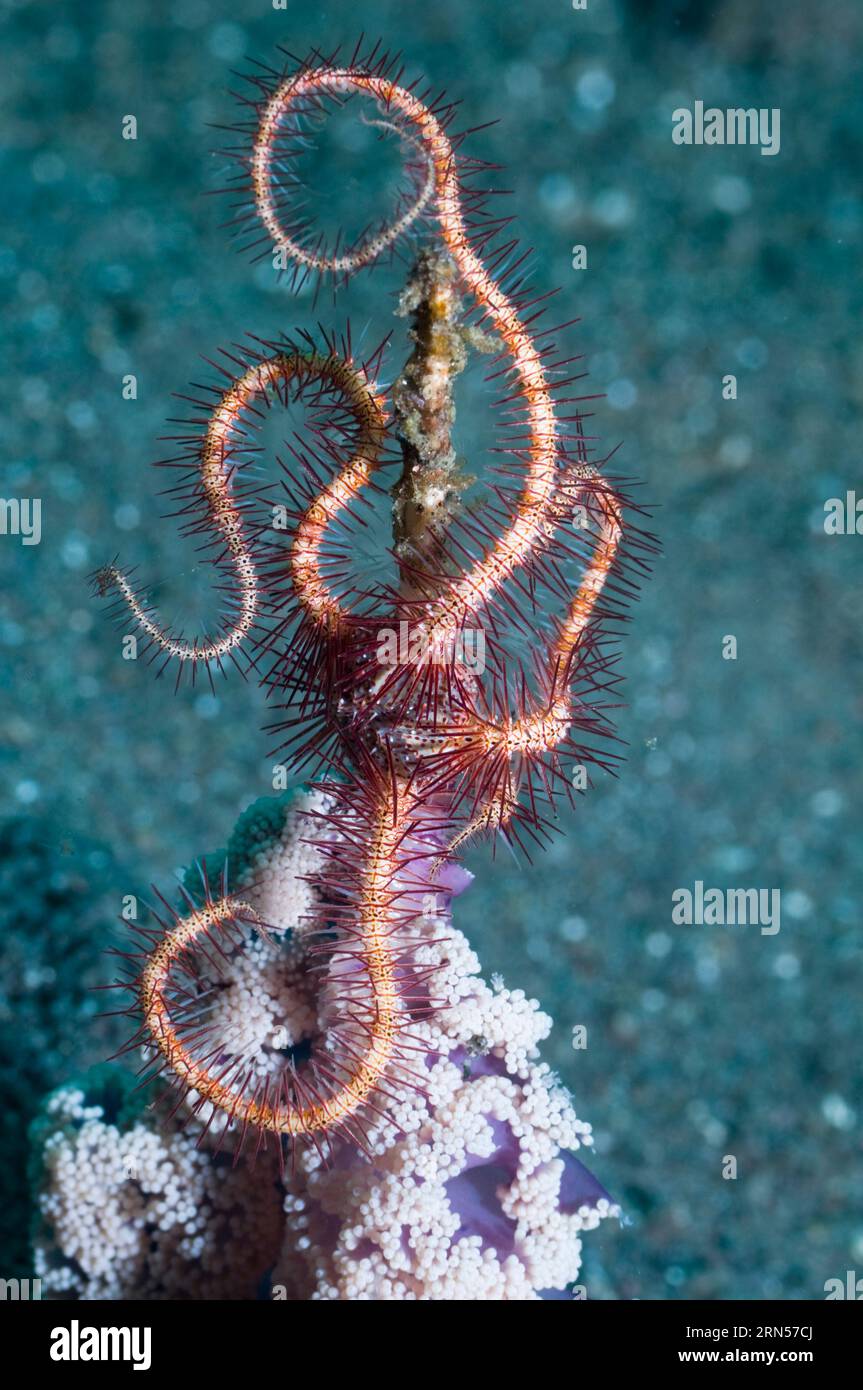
425	755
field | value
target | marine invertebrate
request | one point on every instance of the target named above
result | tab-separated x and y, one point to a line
417	747
470	1187
127	1209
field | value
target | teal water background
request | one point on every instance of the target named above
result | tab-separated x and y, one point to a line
703	1042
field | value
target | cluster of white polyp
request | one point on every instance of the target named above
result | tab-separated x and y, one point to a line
466	1185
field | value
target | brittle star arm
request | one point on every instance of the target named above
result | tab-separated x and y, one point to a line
217	472
368	410
290	1106
476	588
544	728
275	373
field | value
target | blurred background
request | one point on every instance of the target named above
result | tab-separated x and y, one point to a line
703	1042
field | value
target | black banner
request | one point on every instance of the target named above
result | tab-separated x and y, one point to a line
61	1339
